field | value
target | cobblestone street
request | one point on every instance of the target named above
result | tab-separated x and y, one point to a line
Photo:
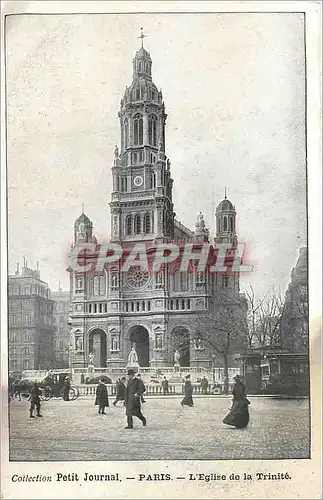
278	429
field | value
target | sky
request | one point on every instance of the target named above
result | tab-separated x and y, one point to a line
234	91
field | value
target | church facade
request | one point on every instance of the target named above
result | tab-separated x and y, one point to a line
113	311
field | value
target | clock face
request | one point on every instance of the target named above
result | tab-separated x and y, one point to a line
138	181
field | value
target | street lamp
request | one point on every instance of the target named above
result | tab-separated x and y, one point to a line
213	367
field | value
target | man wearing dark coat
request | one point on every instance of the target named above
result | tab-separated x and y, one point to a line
34	399
66	389
188	398
164	385
204	385
134	391
101	397
121	391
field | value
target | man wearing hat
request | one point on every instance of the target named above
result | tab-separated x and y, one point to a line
188	398
66	389
101	396
134	391
34	399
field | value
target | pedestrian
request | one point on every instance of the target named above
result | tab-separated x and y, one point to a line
66	389
188	398
165	386
238	415
102	398
133	407
34	399
204	384
120	390
17	389
142	387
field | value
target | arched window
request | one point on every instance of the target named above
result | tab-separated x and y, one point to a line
225	224
128	225
126	133
218	225
96	285
231	223
137	94
152	130
152	180
147	224
140	66
102	285
138	129
137	224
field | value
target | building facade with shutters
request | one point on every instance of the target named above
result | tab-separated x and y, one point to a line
111	310
61	339
30	322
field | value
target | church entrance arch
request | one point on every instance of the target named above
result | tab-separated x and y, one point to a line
180	336
98	347
139	339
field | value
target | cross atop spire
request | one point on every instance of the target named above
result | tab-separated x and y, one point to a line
225	193
142	36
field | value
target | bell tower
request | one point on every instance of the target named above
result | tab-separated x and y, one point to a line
141	204
226	222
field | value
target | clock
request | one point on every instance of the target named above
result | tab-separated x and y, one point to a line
138	181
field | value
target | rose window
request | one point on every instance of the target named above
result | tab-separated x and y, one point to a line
137	278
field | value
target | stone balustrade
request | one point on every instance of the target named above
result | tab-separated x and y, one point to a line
151	389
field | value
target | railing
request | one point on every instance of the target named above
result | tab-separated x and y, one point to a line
150	370
154	390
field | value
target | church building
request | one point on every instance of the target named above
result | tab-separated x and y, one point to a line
113	311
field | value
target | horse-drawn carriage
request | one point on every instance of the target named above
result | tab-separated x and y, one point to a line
52	386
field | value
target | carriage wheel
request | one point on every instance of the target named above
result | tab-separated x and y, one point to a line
73	394
45	396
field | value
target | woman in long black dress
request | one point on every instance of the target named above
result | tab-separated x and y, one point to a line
188	399
239	414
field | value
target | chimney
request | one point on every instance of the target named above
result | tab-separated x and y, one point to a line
17	271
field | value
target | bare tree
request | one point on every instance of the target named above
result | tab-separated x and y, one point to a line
221	328
271	310
254	313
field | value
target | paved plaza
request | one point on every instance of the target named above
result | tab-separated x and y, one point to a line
278	429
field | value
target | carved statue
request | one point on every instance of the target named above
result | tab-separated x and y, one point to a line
91	358
132	358
177	356
116	152
159	341
79	344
